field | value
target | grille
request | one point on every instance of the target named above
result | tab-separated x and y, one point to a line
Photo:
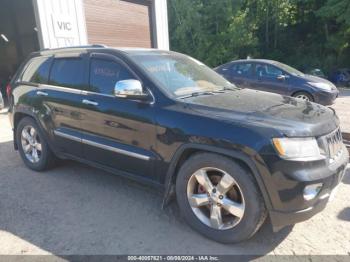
334	144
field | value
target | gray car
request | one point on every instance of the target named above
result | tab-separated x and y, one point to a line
275	77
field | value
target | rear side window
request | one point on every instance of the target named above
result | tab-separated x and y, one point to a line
104	74
68	72
242	69
37	70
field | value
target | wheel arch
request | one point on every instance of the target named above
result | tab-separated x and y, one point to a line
18	115
187	150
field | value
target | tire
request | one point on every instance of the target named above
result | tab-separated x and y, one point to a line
303	96
254	208
46	158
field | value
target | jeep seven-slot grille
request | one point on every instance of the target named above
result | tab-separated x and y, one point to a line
334	144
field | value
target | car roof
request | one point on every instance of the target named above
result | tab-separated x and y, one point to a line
267	61
126	50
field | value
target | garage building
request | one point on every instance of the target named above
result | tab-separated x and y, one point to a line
27	26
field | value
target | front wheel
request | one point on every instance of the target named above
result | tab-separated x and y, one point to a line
219	198
303	96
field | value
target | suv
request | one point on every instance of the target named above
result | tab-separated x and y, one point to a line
230	156
275	77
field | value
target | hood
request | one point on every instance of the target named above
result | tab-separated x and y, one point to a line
290	116
316	79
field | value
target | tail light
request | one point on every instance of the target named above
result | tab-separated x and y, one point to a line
8	90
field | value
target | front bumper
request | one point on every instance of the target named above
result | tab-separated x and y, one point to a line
288	182
326	98
281	219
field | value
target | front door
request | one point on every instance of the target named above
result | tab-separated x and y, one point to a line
270	79
118	133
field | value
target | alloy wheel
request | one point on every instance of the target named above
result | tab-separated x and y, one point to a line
215	198
31	144
303	97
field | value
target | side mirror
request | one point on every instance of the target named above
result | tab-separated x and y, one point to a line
131	89
281	77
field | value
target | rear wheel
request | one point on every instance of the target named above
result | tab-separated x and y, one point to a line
303	96
219	198
32	146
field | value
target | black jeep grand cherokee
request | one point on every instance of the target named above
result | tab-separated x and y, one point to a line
232	156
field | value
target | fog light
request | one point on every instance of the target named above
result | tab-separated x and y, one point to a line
311	191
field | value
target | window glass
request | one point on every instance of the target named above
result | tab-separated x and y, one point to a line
264	70
242	69
104	74
180	75
68	72
37	70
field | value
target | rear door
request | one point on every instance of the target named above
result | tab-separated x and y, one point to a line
118	133
61	101
239	74
268	78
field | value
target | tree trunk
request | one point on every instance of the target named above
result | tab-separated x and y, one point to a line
326	31
267	27
276	24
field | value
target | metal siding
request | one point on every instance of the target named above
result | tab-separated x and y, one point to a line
161	24
45	10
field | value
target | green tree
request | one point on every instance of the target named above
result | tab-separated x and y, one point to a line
302	33
336	17
212	31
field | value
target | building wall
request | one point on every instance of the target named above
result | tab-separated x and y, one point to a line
161	24
62	23
119	23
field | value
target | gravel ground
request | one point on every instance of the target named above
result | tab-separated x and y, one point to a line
75	209
342	107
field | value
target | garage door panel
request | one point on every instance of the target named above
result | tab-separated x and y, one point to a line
118	23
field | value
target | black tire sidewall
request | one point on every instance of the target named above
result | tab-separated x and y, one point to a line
254	206
45	152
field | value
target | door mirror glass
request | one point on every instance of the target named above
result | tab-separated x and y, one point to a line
130	88
281	77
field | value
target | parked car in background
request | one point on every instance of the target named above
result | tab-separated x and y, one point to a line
2	104
275	77
340	77
316	72
168	120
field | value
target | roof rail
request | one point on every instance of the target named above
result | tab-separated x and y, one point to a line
77	46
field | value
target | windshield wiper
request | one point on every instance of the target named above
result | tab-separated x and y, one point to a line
194	94
225	88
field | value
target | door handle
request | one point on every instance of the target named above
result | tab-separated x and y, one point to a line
41	93
89	102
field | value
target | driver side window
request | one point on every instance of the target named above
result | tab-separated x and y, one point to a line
267	71
104	74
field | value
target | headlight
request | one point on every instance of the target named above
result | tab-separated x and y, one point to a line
298	149
323	86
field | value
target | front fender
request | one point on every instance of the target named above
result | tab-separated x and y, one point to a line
253	162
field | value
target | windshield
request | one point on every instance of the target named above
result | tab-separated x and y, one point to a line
289	69
181	75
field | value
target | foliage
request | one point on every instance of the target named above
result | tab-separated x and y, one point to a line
302	33
212	31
